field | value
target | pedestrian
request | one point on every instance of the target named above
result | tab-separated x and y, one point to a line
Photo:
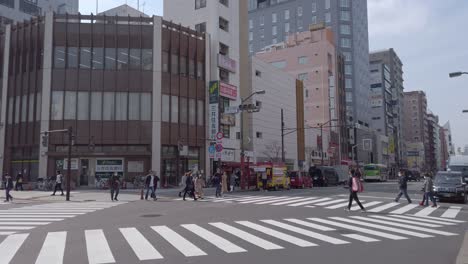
428	190
151	185
19	182
403	185
424	191
199	185
355	186
217	183
8	188
114	186
182	184
58	183
265	182
190	187
232	181
224	182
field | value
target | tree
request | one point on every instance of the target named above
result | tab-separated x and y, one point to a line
273	151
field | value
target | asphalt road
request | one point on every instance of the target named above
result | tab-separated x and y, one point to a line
296	226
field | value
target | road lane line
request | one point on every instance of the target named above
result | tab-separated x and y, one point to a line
361	238
2	220
285	198
386	228
426	211
383	207
442	219
440	222
294	201
306	232
16	227
6	234
140	245
422	229
310	202
53	249
33	213
340	205
97	247
358	229
279	235
215	200
221	243
257	241
23	223
10	246
309	224
331	202
180	243
452	212
405	221
35	216
254	200
404	209
365	205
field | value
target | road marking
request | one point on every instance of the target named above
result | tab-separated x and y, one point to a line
30	219
426	211
34	216
383	207
359	229
280	235
442	219
53	249
296	200
10	246
386	228
260	242
307	202
404	209
214	239
309	224
180	243
361	238
404	221
16	227
340	205
229	199
97	247
23	223
331	202
452	212
253	200
422	229
6	234
284	198
423	220
366	205
33	213
140	245
306	232
50	211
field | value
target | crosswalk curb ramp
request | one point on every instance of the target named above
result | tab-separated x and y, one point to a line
238	237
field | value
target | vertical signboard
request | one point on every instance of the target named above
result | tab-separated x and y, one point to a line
213	109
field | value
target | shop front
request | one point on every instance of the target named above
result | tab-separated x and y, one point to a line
175	163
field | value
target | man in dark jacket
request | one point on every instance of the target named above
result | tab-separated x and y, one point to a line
403	185
151	185
114	186
19	182
8	187
190	187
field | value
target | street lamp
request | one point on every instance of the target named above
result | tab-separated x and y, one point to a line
456	74
242	154
465	111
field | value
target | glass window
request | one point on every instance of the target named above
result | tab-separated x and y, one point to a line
274	41
38	106
313	20
274	18
174	64
96	105
108	106
135	59
134	106
200	70
327	17
98	58
344	3
274	30
262	33
345	29
226	131
299	11
59	57
17	109
349	69
303	60
348	83
165	108
201	27
303	76
348	56
279	64
11	102
72	57
223	24
299	24
174	109
85	57
349	97
165	61
183	65
24	108
70	105
192	112
83	105
345	15
183	110
201	113
251	24
262	20
286	27
345	43
250	36
147	59
286	14
110	59
146	108
314	7
191	68
251	48
31	108
327	4
122	59
121	104
200	4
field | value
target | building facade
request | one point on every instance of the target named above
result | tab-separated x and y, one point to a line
415	130
311	56
20	10
130	88
433	159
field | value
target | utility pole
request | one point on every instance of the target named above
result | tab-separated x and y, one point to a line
283	158
70	139
321	144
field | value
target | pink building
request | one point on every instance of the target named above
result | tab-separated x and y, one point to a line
312	57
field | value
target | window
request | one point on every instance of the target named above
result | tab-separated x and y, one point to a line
299	11
72	57
303	60
258	73
327	4
307	93
274	41
165	61
299	24
348	56
59	57
349	97
183	110
345	29
121	103
122	59
24	108
344	3
345	15
279	64
238	135
262	20
98	58
251	24
327	17
224	2
108	106
259	134
174	109
96	105
200	113
110	58
85	58
286	14
191	68
348	83
251	50
183	66
174	64
376	85
133	106
192	112
345	43
165	105
17	109
226	131
147	59
135	59
146	107
70	106
223	24
314	7
262	33
313	20
83	105
303	76
274	30
31	108
224	75
286	27
200	70
200	4
274	18
349	69
258	104
201	27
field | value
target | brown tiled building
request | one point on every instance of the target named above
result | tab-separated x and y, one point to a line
131	88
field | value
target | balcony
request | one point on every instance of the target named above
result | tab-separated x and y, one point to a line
30	7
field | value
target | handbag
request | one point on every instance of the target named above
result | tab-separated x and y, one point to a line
357	185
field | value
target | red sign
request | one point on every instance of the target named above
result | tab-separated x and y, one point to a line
219	135
228	91
219	147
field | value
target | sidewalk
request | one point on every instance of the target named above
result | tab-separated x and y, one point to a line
463	254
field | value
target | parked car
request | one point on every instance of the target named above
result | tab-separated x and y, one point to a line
299	179
324	176
450	186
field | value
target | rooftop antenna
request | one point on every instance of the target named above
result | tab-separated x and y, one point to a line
97	6
144	3
138	5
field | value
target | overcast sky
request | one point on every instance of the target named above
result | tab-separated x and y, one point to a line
430	37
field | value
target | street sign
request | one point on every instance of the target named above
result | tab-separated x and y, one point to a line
367	144
219	148
231	110
219	136
212	149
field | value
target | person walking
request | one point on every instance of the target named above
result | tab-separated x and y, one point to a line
199	185
428	190
403	185
224	182
217	184
355	186
182	184
58	183
232	181
264	182
114	186
8	188
190	187
151	183
424	191
19	182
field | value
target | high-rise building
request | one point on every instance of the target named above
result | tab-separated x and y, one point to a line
415	128
448	139
433	160
395	83
20	10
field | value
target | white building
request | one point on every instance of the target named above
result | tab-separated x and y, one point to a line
19	10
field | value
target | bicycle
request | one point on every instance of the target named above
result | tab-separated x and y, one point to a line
102	184
45	185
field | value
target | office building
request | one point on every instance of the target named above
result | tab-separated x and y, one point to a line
433	159
415	128
20	10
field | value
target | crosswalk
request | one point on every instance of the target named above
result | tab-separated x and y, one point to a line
22	219
337	202
164	242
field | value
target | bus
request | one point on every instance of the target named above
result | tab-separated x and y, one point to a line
375	172
459	163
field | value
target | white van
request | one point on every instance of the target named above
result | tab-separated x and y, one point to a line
459	163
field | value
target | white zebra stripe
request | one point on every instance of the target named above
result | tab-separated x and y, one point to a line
53	248
97	247
10	246
180	243
140	245
452	212
214	239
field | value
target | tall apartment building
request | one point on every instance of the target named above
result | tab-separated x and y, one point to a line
433	159
444	151
20	10
270	21
311	56
448	139
395	66
415	128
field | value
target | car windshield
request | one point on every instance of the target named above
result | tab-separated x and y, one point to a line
370	167
462	169
293	174
448	179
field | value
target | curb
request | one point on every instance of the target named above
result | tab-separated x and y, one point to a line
462	257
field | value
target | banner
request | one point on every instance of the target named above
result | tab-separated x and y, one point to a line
228	91
228	120
109	165
213	120
214	92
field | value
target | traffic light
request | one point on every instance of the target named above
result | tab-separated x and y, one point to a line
45	139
